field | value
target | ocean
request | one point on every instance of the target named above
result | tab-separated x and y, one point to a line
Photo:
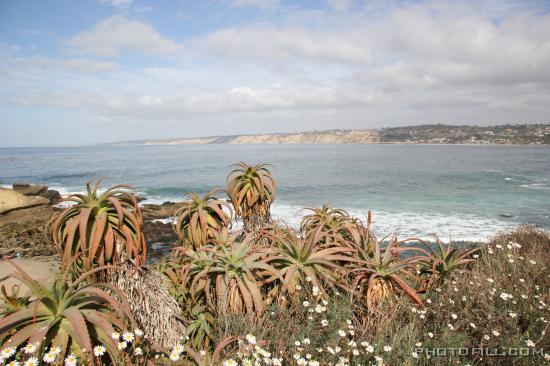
462	192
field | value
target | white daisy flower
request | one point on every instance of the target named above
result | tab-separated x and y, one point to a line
7	352
128	337
71	360
174	356
31	348
33	361
49	357
99	351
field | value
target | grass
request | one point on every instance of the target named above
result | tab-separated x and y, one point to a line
471	311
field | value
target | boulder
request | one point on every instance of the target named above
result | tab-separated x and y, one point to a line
152	211
30	189
13	200
53	196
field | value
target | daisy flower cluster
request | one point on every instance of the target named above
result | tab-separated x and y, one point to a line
129	341
34	354
251	354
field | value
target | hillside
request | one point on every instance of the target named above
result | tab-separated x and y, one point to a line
426	134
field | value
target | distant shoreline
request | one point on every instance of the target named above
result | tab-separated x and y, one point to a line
533	134
257	144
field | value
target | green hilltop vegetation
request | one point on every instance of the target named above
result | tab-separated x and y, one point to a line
517	134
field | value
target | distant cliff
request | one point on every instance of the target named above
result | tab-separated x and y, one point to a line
425	134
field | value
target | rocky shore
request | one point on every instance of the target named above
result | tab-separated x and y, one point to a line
26	209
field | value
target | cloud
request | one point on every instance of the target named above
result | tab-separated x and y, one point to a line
79	65
268	43
116	34
120	4
260	4
421	62
340	5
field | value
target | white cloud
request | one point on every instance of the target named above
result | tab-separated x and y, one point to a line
116	34
340	5
79	65
267	43
419	63
120	4
260	4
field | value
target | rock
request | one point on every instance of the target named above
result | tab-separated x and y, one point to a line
29	189
166	210
53	196
22	230
13	200
156	232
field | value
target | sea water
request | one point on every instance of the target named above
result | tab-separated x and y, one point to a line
466	192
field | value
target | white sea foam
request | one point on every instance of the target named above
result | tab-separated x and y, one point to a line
535	186
459	227
413	224
167	220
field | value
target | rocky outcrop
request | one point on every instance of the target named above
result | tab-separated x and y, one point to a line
22	232
22	229
162	211
13	200
37	190
29	189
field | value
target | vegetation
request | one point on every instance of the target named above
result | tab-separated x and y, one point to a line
201	219
251	190
99	229
69	318
330	293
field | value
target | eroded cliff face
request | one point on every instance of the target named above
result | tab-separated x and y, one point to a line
324	137
321	137
423	134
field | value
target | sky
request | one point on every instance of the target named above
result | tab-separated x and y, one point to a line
91	71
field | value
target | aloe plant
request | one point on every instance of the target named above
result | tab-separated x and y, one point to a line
12	302
252	191
334	223
383	272
231	276
99	229
192	301
200	219
440	263
207	358
304	263
72	316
